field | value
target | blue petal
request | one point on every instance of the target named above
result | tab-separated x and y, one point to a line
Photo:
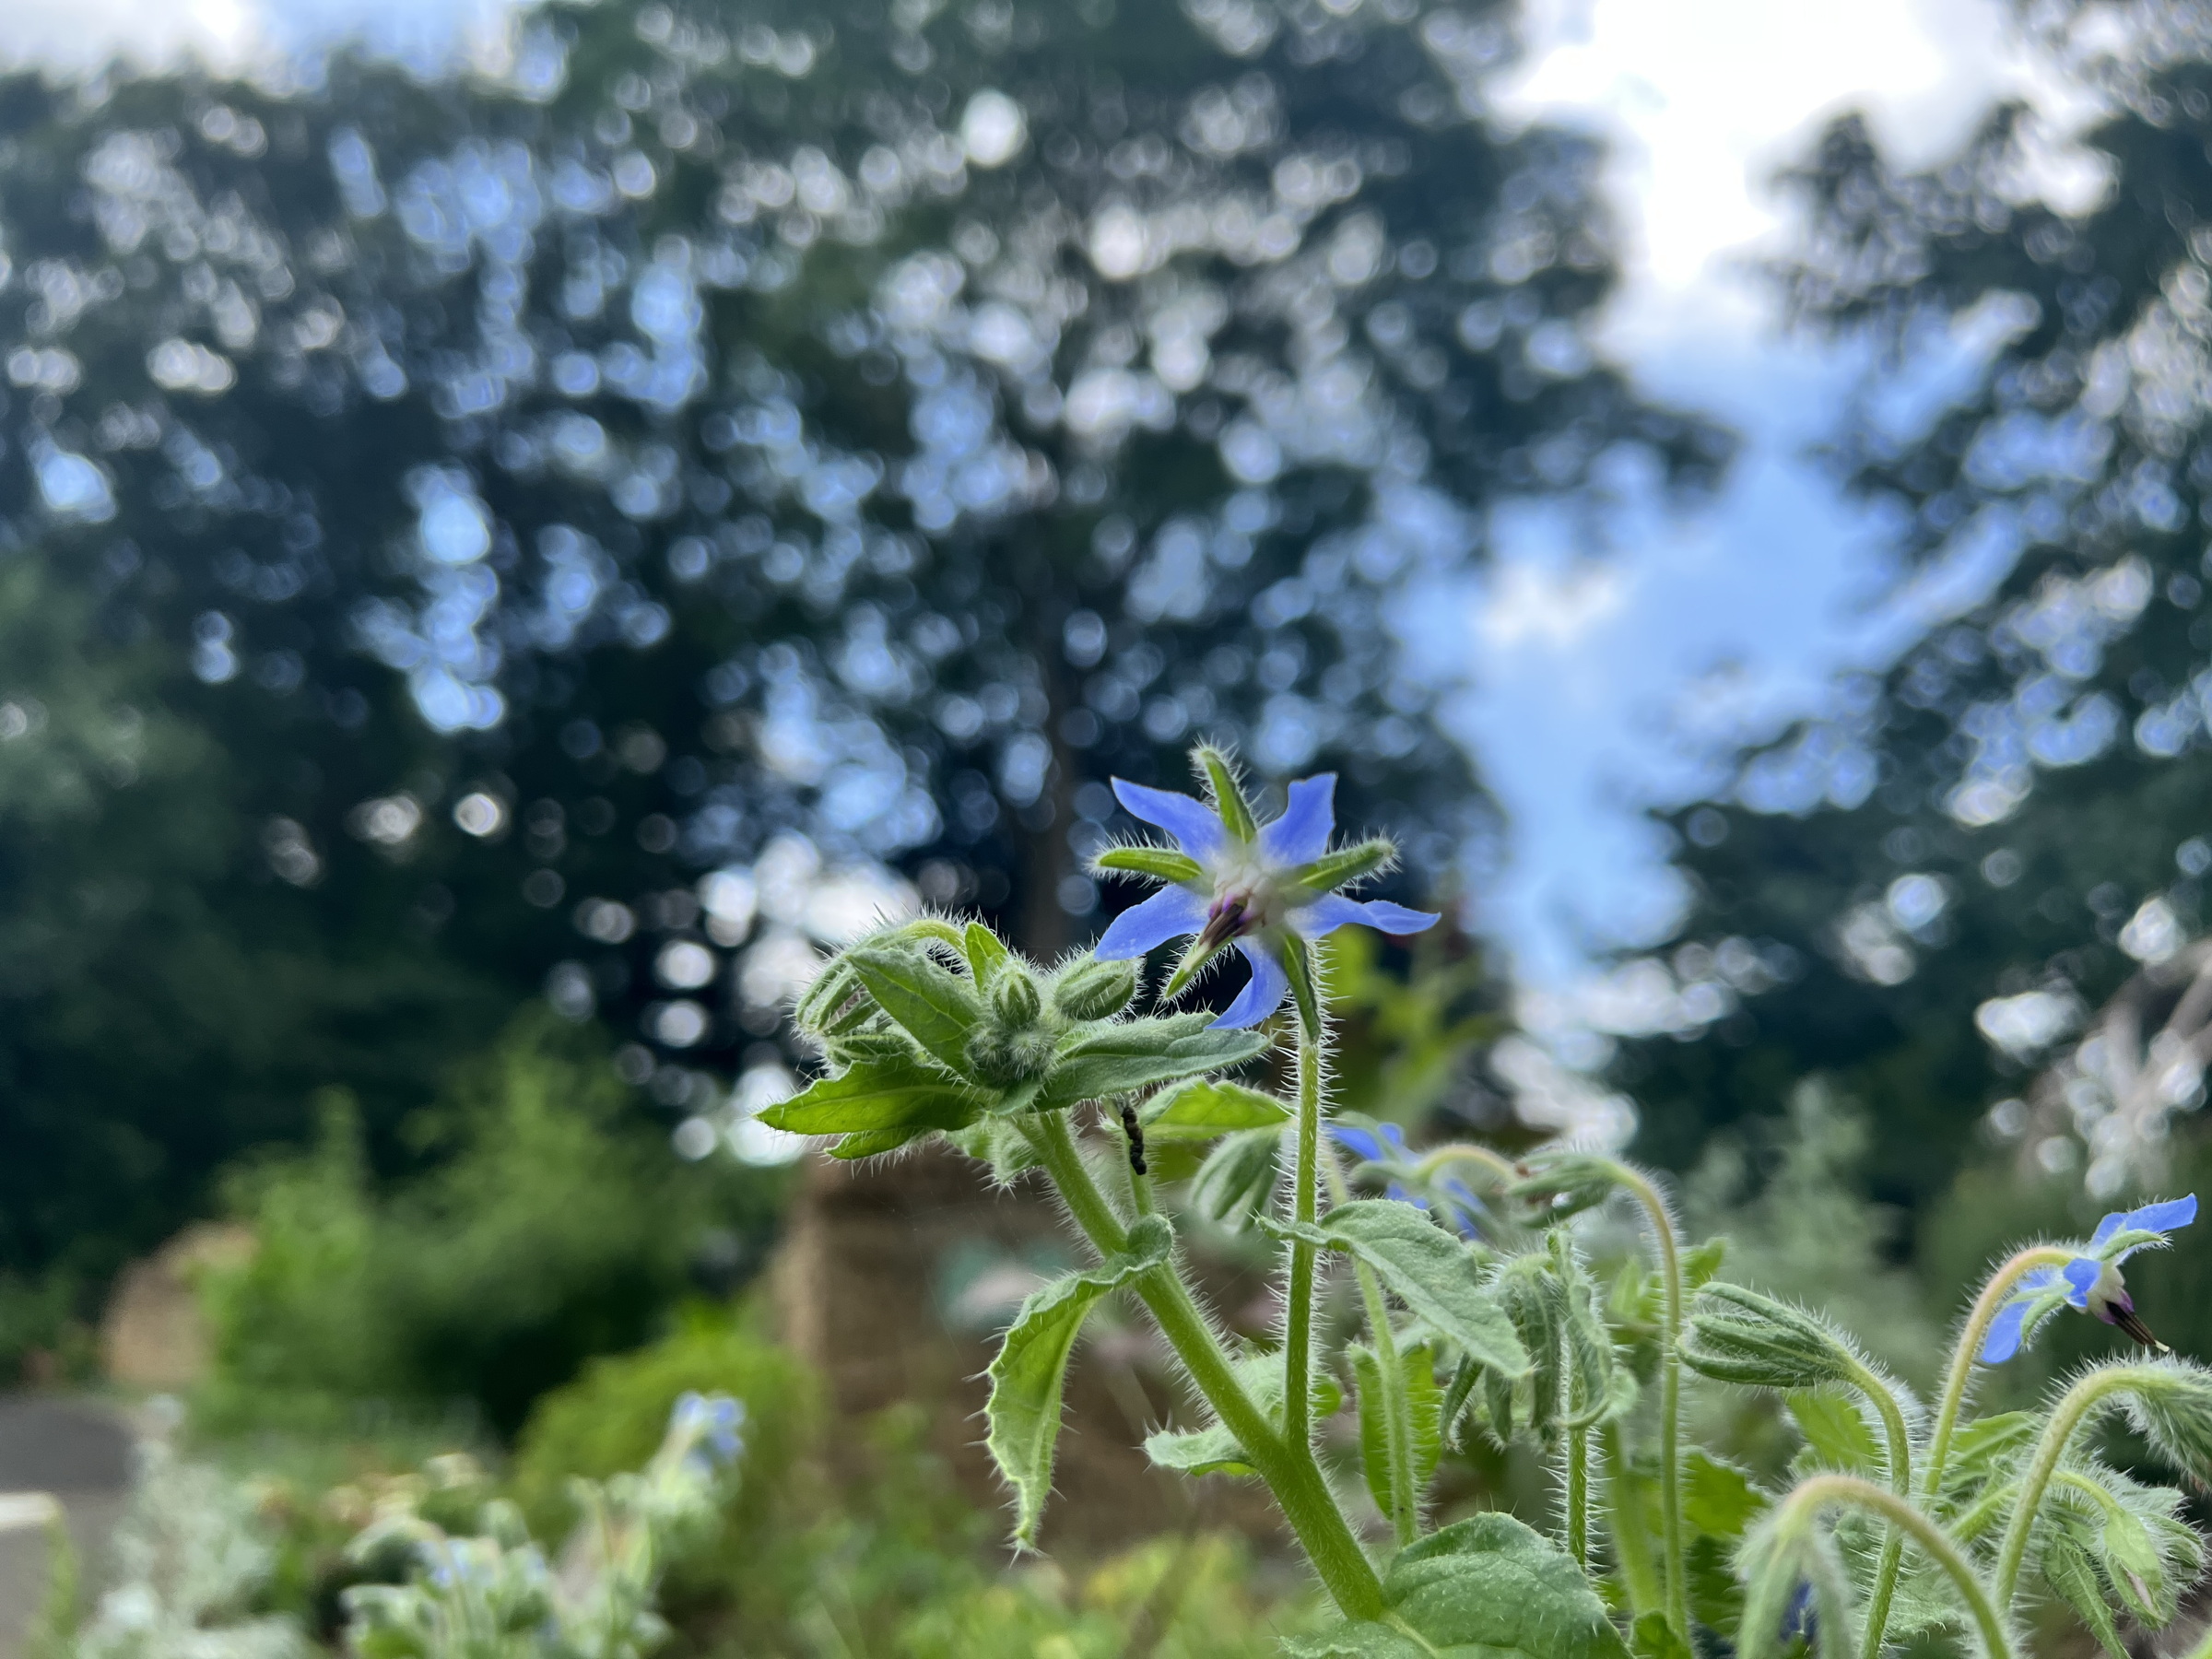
1363	1144
1462	1208
2081	1273
1301	834
2003	1340
1395	1191
2152	1217
1168	914
1191	822
1264	995
1462	1195
1333	911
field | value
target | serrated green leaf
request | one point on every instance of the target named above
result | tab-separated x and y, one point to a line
986	953
1428	1270
937	1008
1485	1588
1030	1369
1143	1053
1163	864
1206	1107
871	1096
1425	1401
1835	1432
874	1142
1718	1498
1233	1182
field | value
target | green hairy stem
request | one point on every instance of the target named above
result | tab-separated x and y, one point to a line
1802	1508
1900	1483
1670	1389
1994	1294
1298	1326
2066	1417
1295	1479
1631	1547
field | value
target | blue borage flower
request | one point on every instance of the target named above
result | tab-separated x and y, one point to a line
1272	890
1382	1147
2090	1283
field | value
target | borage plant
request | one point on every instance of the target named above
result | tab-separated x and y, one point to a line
1476	1313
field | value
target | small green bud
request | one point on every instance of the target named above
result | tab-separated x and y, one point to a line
1739	1336
1150	1235
1003	1058
1014	998
849	1047
1096	990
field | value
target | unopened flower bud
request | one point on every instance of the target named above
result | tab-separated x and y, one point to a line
1014	998
1003	1058
1096	990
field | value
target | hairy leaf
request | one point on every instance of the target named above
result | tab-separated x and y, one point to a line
874	1142
1424	1399
1718	1498
1207	1107
1652	1637
1233	1182
1144	1053
1836	1433
1027	1373
2068	1571
1485	1588
870	1096
1216	1451
1427	1269
985	952
937	1008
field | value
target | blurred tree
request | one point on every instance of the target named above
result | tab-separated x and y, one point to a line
1924	891
756	442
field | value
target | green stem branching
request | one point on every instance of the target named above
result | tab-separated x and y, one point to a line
1295	1479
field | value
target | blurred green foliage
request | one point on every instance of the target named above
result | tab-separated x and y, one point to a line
553	1227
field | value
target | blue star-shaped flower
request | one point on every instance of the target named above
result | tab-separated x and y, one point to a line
1271	890
2090	1283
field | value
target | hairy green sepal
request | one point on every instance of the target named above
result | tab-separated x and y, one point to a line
1163	864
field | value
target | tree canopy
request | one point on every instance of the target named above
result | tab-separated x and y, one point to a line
1927	887
570	524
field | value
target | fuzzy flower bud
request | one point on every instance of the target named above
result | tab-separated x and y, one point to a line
1096	990
1014	998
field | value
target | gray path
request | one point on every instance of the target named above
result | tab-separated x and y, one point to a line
81	1453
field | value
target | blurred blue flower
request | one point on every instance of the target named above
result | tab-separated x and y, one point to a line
2090	1283
1383	1146
1271	889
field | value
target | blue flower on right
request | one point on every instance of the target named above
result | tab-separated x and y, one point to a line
2090	1283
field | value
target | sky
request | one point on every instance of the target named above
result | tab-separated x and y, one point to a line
1605	684
1600	684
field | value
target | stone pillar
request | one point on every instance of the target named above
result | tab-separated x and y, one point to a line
892	1281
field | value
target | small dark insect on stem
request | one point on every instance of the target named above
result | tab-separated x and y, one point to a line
1136	1132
